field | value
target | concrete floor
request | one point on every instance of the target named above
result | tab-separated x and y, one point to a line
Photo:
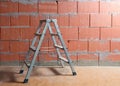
57	76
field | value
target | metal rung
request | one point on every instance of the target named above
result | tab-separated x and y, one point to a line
58	46
54	34
32	48
64	59
38	34
26	63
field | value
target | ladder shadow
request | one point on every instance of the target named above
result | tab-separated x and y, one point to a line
7	76
53	70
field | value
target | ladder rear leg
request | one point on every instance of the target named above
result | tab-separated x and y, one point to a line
23	65
64	46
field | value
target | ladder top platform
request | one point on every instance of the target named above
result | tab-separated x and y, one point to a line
48	20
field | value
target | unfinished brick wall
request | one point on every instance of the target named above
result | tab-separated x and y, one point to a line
90	28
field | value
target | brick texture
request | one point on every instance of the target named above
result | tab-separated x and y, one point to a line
113	57
19	46
79	20
89	33
25	31
99	46
110	33
110	7
4	20
115	20
63	20
69	33
100	20
10	34
4	46
75	45
9	57
89	28
28	7
67	7
88	57
88	7
22	20
115	46
8	7
47	7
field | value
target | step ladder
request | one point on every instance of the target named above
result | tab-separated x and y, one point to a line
40	34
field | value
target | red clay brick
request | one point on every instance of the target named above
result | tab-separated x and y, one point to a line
74	57
47	7
115	46
21	20
28	7
73	45
9	57
115	20
4	21
10	34
88	33
113	57
83	45
79	20
63	20
69	33
19	46
88	7
34	20
99	46
110	33
88	57
110	7
47	57
67	7
100	20
78	45
8	7
25	31
4	46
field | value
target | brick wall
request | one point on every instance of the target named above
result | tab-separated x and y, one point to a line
90	28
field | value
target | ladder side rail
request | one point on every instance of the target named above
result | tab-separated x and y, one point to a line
64	46
54	41
36	53
35	37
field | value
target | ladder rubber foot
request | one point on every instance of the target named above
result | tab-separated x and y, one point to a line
74	73
25	81
21	71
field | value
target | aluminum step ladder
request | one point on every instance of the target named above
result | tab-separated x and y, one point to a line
40	34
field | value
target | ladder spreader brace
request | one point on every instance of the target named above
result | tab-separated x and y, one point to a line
36	49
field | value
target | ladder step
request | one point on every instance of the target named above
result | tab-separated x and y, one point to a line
58	46
27	64
32	48
54	34
64	59
38	34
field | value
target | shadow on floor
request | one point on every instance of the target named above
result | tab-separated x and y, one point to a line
7	76
49	72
